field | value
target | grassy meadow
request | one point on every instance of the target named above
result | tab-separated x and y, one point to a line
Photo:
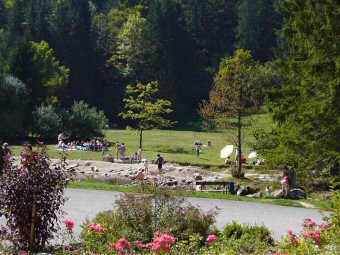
173	145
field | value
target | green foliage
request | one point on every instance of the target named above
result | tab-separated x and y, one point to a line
305	102
144	108
52	74
237	231
109	44
13	102
84	122
35	64
257	22
134	48
238	91
46	122
138	217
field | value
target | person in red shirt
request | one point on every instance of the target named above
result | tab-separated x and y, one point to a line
243	160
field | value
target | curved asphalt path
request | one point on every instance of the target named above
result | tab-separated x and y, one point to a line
86	203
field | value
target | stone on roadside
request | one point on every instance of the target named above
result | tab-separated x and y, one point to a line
297	194
255	195
240	191
277	193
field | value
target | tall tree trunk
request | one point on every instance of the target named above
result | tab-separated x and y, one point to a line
140	137
239	138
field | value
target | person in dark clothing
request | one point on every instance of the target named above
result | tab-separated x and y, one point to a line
160	162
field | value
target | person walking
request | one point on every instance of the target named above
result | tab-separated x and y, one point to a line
160	162
198	147
140	153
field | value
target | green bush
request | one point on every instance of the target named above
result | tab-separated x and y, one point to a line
138	217
13	105
238	231
46	122
84	122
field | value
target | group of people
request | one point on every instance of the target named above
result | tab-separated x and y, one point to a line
5	152
90	145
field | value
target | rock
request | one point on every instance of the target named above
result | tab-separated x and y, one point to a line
180	170
197	177
94	169
297	194
277	194
87	164
243	191
240	190
255	195
171	183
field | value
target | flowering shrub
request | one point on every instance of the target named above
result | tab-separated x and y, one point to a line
138	217
69	224
314	239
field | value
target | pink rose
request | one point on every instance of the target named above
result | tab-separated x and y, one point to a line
70	224
211	238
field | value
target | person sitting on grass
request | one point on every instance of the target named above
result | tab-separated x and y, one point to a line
243	159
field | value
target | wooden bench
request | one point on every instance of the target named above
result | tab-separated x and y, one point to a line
225	185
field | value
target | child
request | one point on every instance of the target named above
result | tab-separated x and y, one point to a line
146	166
285	185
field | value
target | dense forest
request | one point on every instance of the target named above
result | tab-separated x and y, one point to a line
77	55
99	47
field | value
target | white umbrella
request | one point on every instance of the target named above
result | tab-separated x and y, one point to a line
253	155
226	151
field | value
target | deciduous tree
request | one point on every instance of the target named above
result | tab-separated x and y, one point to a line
238	91
143	107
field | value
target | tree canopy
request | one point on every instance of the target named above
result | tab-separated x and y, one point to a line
238	91
145	109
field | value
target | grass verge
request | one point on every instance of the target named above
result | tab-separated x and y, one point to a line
95	185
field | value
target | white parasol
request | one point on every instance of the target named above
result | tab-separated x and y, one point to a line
253	155
226	151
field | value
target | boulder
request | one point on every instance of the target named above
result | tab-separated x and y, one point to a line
243	191
277	193
197	177
255	195
240	191
297	194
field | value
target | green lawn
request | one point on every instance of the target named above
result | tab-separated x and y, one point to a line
173	145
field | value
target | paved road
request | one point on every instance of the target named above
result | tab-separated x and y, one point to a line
86	203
